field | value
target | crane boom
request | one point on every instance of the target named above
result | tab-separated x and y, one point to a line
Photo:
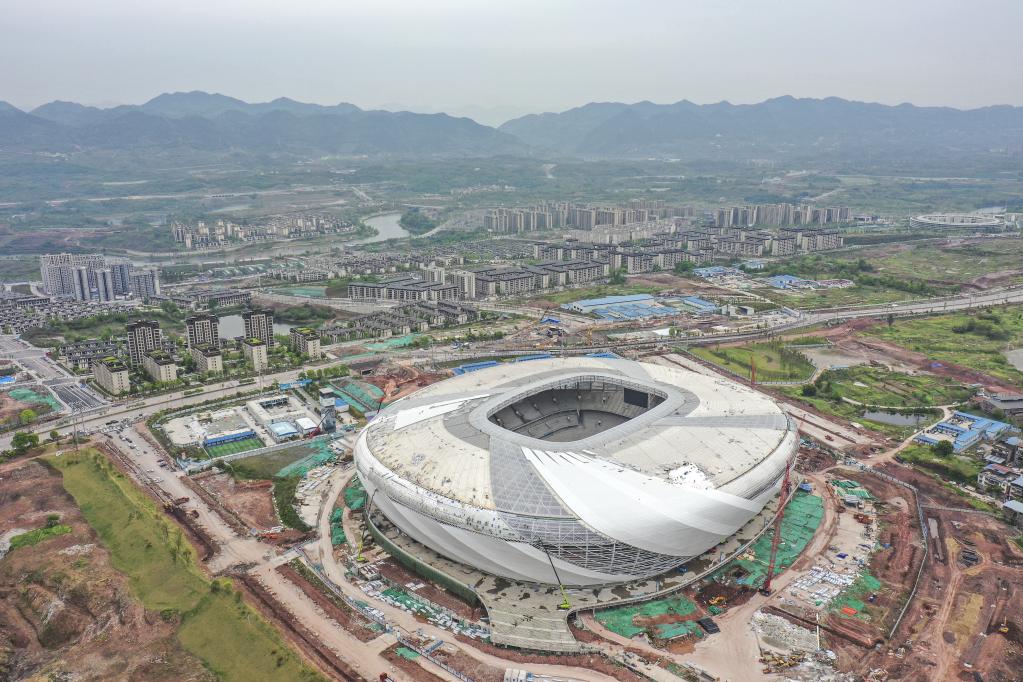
766	589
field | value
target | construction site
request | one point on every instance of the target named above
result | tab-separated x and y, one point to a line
872	570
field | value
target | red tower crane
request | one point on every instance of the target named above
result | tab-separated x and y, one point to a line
766	589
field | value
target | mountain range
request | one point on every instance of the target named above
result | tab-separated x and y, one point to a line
783	127
203	122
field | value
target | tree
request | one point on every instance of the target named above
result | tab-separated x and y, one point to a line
27	416
943	448
54	436
24	441
809	390
891	319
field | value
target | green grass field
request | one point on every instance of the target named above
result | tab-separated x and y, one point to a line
844	410
234	447
977	341
265	467
774	362
831	298
878	386
232	640
963	469
941	263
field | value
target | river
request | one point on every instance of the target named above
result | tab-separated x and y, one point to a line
387	227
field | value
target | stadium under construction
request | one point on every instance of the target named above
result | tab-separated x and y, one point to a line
585	481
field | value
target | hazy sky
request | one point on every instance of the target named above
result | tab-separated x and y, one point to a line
516	55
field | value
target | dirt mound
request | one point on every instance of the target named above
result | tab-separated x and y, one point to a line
64	610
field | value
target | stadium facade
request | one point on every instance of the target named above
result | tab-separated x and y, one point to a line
583	471
973	221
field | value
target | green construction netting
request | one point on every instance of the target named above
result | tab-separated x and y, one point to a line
394	342
856	596
853	488
304	292
621	620
27	395
321	454
407	653
355	495
337	515
802	516
337	535
410	602
678	629
363	396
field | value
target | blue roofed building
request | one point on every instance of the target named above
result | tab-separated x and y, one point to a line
699	305
964	431
587	305
785	281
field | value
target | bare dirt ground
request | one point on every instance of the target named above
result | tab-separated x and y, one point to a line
65	612
413	669
333	608
469	666
586	661
849	338
399	381
251	501
951	629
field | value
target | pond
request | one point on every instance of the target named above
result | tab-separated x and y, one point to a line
896	419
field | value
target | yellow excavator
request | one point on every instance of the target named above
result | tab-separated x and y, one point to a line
1004	627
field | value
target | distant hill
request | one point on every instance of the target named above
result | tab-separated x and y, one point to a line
829	131
204	122
780	126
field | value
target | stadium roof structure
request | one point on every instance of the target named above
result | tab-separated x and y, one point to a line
610	469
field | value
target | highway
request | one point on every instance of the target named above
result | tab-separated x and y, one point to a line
36	361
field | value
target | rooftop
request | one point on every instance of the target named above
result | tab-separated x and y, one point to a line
672	424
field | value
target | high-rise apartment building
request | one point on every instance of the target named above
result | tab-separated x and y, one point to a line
121	274
143	336
105	285
259	324
60	270
75	275
306	341
144	284
83	288
111	374
203	330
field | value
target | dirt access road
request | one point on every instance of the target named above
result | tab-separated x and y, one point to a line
234	550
